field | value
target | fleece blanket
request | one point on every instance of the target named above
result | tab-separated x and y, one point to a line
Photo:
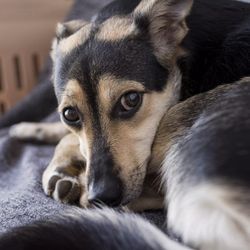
22	163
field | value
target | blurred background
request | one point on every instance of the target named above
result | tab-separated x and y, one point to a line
27	28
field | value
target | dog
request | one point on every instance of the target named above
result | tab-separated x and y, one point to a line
118	79
206	198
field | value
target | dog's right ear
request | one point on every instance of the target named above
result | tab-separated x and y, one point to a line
67	29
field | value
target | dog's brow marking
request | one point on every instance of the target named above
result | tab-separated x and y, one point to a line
68	44
116	29
111	88
73	94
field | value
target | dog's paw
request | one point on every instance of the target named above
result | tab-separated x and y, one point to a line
63	188
41	132
27	131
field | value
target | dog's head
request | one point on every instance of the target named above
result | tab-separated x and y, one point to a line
114	80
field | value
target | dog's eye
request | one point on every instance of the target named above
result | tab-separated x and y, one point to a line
71	115
130	100
128	104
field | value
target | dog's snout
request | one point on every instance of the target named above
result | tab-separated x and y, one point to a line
106	191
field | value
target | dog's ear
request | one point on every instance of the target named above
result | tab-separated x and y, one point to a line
67	29
165	22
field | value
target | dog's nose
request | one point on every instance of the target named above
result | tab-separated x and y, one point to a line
108	192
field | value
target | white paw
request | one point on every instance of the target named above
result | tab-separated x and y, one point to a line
60	187
26	131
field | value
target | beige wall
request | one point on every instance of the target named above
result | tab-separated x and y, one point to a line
26	30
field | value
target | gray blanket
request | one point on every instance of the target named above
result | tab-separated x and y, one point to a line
21	165
21	196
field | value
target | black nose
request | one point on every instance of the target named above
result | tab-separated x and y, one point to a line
106	191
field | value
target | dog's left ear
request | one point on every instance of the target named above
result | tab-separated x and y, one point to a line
67	29
165	22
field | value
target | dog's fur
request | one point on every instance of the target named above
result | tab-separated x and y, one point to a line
90	230
145	46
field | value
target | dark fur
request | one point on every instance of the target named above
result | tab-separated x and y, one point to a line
219	45
130	59
90	230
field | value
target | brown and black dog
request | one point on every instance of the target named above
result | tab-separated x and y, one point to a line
119	79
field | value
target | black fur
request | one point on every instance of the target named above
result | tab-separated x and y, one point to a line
86	230
130	59
218	43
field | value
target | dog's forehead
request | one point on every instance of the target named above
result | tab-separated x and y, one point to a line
106	52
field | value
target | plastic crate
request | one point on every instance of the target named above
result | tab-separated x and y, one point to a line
27	28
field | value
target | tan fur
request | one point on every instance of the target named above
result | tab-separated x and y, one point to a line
70	27
131	148
74	95
111	88
144	7
66	45
116	28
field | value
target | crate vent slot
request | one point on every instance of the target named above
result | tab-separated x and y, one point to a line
17	69
35	63
2	108
1	76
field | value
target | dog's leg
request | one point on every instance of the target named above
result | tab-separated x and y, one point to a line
42	132
62	179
